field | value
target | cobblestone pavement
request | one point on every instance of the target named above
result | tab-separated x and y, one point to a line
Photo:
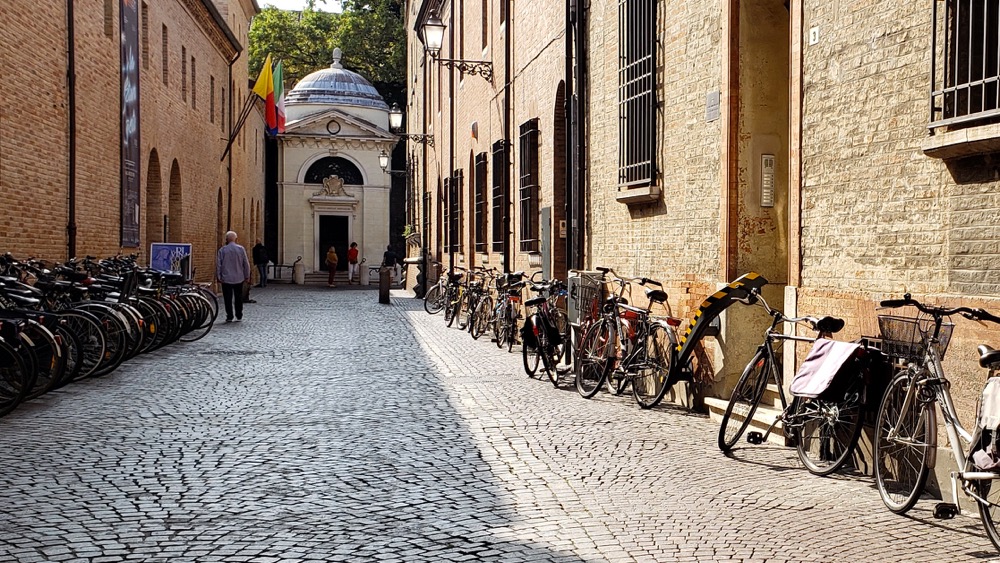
326	427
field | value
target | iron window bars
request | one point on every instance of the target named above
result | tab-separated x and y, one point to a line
636	92
965	68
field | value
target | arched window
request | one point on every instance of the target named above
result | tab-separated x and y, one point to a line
334	166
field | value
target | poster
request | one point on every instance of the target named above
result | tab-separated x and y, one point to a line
130	167
171	257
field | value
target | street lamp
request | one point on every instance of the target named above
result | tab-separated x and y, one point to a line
396	123
433	32
383	161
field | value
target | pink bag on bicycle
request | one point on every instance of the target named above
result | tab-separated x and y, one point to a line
820	368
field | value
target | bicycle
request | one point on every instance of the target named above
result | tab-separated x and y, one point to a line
824	424
508	309
644	343
545	333
906	426
481	305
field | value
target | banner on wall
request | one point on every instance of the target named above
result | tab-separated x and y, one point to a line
130	149
171	257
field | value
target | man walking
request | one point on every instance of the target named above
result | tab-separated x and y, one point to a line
260	260
232	270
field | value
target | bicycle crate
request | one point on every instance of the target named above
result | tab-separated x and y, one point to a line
906	337
586	293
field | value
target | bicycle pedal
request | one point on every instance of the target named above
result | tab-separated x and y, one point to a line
945	510
755	437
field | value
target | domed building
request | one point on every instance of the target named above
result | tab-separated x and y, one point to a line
331	189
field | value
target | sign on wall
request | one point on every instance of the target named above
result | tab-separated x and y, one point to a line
171	257
130	122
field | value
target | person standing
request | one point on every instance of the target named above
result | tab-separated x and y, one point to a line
352	264
331	265
260	260
232	270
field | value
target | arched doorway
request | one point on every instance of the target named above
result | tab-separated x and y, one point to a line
154	200
175	215
334	166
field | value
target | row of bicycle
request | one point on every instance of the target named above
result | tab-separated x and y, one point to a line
63	322
897	374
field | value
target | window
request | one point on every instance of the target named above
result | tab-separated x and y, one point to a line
222	110
425	224
966	71
498	187
457	217
165	55
447	198
145	36
194	84
529	186
481	203
184	74
211	98
485	23
636	92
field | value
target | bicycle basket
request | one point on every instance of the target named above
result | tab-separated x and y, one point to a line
906	337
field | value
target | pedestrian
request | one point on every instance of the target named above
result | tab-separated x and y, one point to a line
260	260
352	264
389	260
331	264
232	270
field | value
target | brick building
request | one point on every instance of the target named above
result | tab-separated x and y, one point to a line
61	128
797	140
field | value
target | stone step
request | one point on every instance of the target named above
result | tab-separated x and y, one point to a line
765	414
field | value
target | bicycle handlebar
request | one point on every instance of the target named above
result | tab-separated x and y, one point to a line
967	312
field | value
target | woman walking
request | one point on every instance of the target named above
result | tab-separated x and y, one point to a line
331	265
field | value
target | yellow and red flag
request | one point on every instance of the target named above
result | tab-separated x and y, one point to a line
264	87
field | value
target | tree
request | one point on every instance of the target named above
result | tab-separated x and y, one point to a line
369	32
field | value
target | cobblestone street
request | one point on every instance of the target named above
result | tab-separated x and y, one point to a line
327	427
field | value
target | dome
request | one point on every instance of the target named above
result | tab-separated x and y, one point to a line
335	85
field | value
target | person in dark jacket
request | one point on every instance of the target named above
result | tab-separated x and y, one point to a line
260	261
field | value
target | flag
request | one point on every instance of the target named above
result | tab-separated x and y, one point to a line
264	87
279	98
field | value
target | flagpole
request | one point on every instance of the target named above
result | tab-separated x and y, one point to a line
244	113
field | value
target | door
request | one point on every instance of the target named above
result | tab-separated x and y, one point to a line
333	232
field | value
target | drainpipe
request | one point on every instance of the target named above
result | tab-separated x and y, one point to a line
71	102
229	164
581	163
452	234
506	140
570	139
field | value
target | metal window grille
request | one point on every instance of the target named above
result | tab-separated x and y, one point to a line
529	186
446	231
165	55
965	71
425	226
145	36
636	92
184	73
497	216
194	83
211	100
481	202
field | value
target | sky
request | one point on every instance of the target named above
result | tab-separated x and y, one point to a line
328	6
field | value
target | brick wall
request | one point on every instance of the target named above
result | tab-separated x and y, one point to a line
175	134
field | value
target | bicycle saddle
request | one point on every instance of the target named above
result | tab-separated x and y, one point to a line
830	324
988	356
656	295
534	301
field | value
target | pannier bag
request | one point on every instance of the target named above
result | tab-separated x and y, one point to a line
828	366
986	456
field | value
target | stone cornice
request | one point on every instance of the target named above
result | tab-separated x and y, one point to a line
214	26
346	143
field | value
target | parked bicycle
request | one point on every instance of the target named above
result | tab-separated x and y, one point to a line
508	309
906	426
825	416
545	333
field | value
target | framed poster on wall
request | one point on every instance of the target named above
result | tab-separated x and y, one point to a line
171	257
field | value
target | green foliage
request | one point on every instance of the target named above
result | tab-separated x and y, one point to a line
369	32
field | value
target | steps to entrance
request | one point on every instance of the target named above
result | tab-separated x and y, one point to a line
766	413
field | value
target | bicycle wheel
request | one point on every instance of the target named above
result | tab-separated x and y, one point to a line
92	337
901	462
744	400
827	431
451	309
463	310
202	321
530	354
12	375
481	317
650	382
987	489
595	353
511	330
434	300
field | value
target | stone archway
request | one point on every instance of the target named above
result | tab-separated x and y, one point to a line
154	199
175	215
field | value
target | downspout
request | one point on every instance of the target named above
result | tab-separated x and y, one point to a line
452	200
579	224
425	235
71	101
570	139
229	164
506	139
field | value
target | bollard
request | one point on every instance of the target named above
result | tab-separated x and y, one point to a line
384	279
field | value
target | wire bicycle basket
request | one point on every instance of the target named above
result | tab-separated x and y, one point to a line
907	337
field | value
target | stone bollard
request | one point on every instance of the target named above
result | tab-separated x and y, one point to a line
298	274
384	281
